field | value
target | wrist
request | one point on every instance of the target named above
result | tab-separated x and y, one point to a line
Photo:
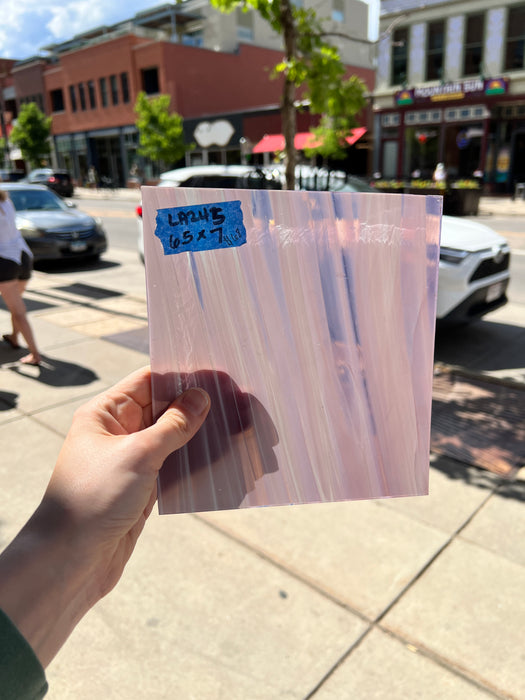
43	582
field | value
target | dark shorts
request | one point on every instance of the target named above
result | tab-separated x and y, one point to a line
10	270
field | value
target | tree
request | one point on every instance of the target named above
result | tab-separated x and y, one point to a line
338	121
161	134
311	62
31	134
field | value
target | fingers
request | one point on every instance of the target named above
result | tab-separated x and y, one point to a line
137	386
177	425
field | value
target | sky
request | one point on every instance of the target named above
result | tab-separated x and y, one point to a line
28	25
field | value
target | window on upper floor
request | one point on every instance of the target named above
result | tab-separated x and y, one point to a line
193	37
474	37
400	56
103	85
150	80
124	86
114	89
435	50
57	100
244	25
91	93
82	95
338	10
515	44
73	98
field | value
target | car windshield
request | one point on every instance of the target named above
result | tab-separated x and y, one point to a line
36	200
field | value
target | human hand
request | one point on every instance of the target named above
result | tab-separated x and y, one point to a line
101	492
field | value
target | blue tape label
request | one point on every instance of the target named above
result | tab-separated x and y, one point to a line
200	227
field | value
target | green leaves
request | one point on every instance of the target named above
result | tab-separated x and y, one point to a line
161	135
31	134
312	63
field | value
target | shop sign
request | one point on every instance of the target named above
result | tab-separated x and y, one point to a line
458	90
216	133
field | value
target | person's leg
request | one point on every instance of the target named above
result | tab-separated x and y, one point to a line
24	275
9	270
14	302
12	338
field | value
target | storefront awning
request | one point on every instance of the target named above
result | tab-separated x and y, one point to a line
356	135
270	143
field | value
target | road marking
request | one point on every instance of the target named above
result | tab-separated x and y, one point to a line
515	251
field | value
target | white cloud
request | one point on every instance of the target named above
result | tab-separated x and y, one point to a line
75	18
28	25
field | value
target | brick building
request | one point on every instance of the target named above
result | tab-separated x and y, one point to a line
450	87
215	68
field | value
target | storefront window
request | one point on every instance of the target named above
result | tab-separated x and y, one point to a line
389	165
463	149
515	38
421	151
435	50
400	56
474	36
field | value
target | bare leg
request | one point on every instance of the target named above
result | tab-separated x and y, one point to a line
13	336
14	302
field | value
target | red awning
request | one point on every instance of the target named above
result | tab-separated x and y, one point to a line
356	135
305	139
269	143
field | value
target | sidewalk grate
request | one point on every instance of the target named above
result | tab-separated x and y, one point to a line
479	421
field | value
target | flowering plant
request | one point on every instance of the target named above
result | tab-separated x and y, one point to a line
389	184
428	185
465	185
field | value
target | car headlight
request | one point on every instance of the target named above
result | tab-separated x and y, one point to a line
453	256
99	226
27	228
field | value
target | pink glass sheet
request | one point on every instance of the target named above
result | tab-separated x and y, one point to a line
314	339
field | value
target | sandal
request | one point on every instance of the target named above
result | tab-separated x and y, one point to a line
9	339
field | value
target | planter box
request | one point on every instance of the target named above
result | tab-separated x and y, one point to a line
461	202
390	190
425	190
456	202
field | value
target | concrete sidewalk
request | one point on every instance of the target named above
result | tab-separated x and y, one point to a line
403	599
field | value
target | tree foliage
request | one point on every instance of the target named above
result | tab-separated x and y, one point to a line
312	63
161	136
31	134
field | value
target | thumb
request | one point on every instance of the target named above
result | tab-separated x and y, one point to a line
178	424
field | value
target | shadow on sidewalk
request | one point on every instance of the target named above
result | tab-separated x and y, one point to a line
56	373
8	400
482	346
479	478
65	266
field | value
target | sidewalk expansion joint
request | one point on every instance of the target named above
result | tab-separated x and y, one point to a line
94	306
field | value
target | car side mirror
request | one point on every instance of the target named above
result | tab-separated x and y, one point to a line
71	204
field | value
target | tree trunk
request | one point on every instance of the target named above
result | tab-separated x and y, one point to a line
288	116
289	129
